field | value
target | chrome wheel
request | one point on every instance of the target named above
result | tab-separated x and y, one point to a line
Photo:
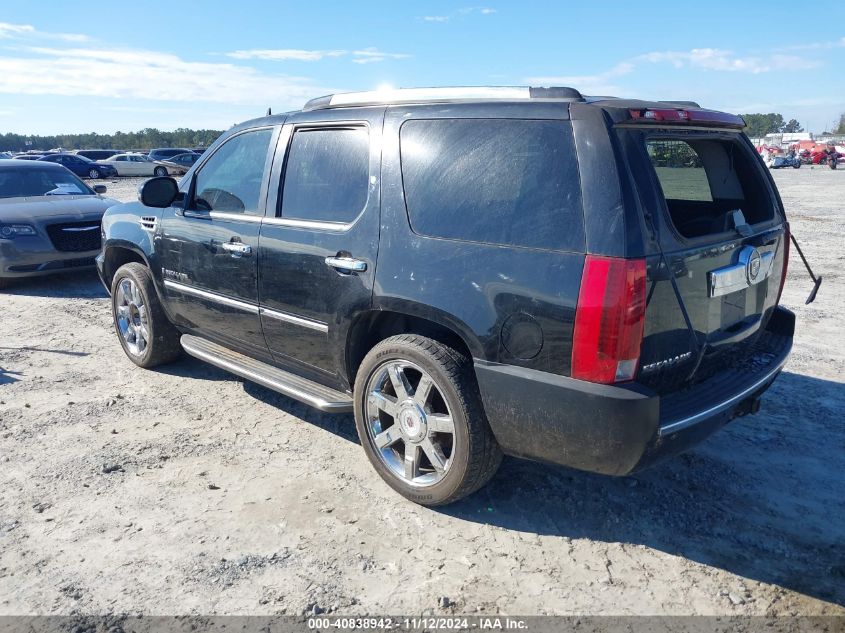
131	316
409	423
94	174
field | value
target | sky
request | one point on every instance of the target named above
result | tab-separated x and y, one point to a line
67	67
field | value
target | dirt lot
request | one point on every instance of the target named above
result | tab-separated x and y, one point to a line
187	490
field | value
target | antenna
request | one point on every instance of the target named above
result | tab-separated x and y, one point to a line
269	111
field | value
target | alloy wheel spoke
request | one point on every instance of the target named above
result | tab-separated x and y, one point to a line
123	312
387	438
383	402
434	454
423	390
440	423
399	382
124	292
412	462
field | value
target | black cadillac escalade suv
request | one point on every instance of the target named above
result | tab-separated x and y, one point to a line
591	282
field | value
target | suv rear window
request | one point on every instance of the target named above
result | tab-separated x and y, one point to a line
498	181
327	173
705	181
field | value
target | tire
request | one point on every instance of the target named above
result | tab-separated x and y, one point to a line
94	174
143	329
5	282
796	165
445	421
160	171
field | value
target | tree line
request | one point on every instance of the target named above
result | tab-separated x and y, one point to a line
758	125
148	138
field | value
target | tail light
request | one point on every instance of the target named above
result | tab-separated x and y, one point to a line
609	320
786	237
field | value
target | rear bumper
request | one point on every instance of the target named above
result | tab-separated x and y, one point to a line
616	430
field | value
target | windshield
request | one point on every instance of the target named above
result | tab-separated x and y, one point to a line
19	183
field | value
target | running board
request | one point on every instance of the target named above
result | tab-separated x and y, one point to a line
311	393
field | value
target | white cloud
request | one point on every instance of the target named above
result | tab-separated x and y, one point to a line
481	10
148	75
815	46
15	30
600	83
709	59
372	55
18	31
459	12
285	54
724	60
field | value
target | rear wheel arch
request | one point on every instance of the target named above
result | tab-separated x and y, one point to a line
370	328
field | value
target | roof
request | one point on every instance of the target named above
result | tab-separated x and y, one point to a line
29	164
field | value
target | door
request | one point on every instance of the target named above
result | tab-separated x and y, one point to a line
317	254
208	249
121	164
139	166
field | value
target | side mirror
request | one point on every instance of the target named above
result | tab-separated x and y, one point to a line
99	189
159	192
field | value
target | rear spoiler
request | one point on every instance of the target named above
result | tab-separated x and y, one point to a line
685	115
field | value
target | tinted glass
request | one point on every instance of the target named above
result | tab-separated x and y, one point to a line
16	183
512	182
231	179
679	170
326	175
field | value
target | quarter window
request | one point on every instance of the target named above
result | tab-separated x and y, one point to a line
327	172
511	182
231	179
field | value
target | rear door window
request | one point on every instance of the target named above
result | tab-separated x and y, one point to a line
327	174
498	181
710	185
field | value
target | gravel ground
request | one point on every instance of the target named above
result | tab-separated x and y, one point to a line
186	490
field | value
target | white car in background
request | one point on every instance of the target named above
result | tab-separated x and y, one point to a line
139	165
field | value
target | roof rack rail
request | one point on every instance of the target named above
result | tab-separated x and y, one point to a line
422	95
689	104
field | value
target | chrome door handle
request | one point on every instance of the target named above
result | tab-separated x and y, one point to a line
237	249
348	264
